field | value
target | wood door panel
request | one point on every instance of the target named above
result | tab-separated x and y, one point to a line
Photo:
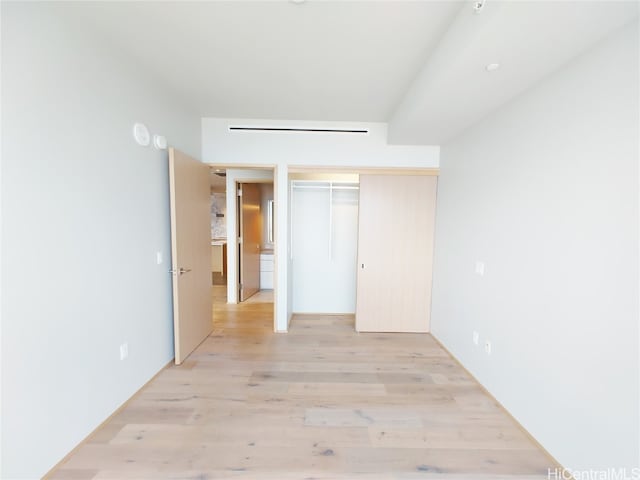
251	234
191	251
395	245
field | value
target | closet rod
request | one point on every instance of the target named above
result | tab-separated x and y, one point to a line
325	187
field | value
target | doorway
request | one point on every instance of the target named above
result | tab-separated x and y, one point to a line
218	191
255	208
362	247
226	219
324	243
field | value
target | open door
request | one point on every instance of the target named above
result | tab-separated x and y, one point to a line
191	252
250	239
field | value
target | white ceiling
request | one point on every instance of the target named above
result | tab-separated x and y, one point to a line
318	60
416	64
529	39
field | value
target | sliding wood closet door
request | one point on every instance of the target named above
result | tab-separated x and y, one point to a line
395	253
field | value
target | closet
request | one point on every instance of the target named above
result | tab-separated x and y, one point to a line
324	240
365	248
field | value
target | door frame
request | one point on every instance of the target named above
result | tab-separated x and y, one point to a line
276	202
238	265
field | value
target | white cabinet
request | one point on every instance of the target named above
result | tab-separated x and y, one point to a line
266	271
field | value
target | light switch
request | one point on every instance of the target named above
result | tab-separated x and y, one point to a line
158	258
480	268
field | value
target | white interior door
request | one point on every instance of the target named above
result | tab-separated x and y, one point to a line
324	222
191	252
395	253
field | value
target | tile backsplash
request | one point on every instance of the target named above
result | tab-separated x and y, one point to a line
218	223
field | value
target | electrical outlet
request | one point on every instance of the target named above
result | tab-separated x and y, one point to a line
158	258
476	338
480	268
487	347
124	351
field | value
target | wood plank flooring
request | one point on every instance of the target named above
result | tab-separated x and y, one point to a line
321	402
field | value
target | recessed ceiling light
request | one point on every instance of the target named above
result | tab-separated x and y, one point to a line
492	66
298	2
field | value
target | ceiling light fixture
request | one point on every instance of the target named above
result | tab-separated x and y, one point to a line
492	67
298	2
478	5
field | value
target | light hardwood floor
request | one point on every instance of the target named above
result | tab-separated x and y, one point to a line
321	402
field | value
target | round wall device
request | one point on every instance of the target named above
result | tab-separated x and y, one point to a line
141	134
160	142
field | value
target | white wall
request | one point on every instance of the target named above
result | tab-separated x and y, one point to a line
234	176
283	318
84	210
220	146
545	192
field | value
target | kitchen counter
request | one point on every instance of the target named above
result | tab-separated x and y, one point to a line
218	241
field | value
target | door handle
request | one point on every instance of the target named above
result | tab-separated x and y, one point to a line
180	271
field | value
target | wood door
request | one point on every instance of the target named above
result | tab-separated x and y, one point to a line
250	239
191	252
395	253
